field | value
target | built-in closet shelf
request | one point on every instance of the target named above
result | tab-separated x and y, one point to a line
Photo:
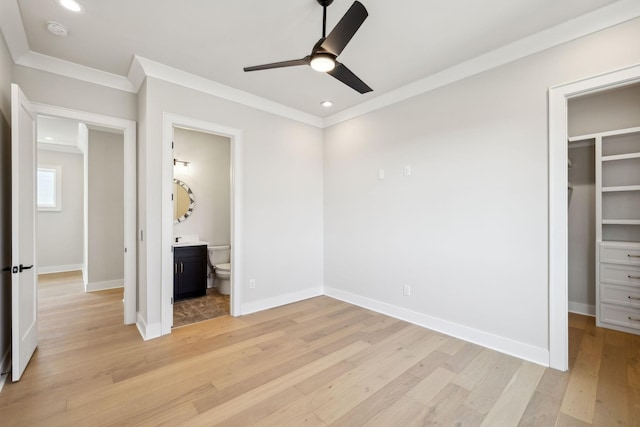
617	240
621	221
621	188
621	157
619	132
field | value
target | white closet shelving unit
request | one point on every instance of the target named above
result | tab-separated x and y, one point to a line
617	228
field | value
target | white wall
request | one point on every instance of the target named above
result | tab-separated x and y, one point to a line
208	176
59	242
6	77
53	89
106	210
468	230
282	195
582	231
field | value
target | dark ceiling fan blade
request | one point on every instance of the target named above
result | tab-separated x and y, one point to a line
346	76
304	61
345	29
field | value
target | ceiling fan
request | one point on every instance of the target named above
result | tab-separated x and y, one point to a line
326	50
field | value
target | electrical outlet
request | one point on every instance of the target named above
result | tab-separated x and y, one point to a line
252	284
407	170
406	290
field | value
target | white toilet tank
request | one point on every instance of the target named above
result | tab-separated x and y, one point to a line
219	254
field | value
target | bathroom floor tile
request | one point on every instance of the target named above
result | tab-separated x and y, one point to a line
188	311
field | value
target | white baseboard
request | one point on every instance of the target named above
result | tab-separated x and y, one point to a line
148	332
101	286
580	308
59	268
5	365
504	345
252	307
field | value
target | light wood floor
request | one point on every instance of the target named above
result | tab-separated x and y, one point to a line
314	363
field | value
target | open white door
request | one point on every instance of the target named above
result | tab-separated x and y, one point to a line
24	308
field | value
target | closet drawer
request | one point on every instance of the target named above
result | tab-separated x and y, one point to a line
620	254
620	274
620	316
624	295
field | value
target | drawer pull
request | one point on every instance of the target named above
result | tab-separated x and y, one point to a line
635	319
630	297
633	256
633	277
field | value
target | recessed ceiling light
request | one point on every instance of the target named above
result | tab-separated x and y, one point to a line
57	29
71	5
48	138
327	104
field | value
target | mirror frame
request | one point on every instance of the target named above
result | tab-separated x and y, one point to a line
192	201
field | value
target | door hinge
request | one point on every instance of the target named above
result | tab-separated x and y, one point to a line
171	300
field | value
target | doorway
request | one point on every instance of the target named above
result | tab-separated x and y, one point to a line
170	122
202	225
558	196
127	130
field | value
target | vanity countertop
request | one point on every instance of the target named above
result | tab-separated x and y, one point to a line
193	243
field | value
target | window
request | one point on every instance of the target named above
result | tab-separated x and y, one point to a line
49	188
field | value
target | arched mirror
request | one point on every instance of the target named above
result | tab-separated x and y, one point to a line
183	201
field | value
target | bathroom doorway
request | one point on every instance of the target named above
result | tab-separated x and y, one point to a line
173	165
202	218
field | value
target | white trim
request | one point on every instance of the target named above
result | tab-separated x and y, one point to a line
191	81
148	332
63	148
64	68
558	212
495	342
101	286
580	308
59	268
169	121
128	127
280	300
599	19
5	365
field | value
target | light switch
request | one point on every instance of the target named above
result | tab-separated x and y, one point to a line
407	170
381	174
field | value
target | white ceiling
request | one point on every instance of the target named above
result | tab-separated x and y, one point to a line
400	42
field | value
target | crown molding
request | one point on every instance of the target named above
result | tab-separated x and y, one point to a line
12	29
62	148
75	71
599	19
182	78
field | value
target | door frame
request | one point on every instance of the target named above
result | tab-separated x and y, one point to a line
169	121
128	127
558	211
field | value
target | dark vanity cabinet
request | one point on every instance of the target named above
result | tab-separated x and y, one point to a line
189	271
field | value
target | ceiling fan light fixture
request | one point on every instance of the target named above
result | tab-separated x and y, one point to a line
323	62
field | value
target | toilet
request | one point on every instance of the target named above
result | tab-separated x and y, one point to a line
220	265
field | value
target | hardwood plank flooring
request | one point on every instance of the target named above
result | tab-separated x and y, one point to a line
319	362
